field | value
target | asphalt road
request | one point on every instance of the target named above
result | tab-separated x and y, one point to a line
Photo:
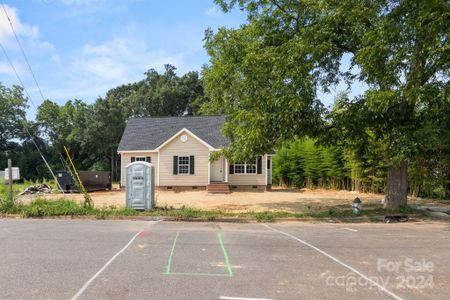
79	259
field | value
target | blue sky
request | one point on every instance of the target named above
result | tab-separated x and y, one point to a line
79	49
82	48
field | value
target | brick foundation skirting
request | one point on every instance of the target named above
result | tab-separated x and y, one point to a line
177	189
260	188
180	188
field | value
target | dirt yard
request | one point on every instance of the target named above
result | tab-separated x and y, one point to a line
293	200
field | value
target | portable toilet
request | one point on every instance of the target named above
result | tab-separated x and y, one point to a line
140	185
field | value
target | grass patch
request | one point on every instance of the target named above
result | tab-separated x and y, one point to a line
63	207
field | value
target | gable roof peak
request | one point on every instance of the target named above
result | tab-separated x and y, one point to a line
148	133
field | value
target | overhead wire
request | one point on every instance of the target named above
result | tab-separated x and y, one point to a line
24	121
22	50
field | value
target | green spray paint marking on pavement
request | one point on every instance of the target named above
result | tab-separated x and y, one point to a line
199	274
225	255
169	263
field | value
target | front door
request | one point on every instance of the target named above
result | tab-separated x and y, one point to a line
217	170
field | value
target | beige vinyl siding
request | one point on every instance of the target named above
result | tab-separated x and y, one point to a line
250	179
126	160
177	148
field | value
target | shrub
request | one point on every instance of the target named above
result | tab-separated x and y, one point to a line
265	217
62	207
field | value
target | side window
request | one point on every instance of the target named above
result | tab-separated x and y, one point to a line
244	168
183	164
239	168
251	168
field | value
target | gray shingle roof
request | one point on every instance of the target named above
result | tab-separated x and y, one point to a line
149	133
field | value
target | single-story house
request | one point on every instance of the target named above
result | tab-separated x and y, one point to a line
179	148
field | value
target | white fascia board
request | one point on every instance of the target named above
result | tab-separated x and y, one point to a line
136	151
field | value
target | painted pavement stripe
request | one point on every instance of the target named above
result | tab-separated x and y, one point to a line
225	255
86	285
242	298
382	288
169	262
224	252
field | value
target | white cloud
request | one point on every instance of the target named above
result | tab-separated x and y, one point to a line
22	29
83	2
121	61
213	12
55	58
110	48
5	68
82	7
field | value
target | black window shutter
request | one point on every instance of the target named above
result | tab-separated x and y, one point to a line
259	165
231	169
268	163
148	159
192	164
175	165
133	159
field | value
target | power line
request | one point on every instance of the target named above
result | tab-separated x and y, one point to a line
15	72
24	119
23	52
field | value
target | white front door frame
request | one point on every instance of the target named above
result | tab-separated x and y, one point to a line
217	170
226	170
209	168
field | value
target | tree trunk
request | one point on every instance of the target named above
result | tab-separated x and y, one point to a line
397	186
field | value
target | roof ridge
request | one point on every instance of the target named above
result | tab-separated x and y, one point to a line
150	132
175	117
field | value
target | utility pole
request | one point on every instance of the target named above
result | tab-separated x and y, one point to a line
10	180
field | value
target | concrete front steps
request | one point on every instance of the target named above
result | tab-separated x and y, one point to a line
218	188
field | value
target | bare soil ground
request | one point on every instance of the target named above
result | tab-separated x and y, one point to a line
279	199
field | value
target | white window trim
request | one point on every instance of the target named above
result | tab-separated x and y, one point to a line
245	168
188	165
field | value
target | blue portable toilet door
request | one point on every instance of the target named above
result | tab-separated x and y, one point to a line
139	175
138	191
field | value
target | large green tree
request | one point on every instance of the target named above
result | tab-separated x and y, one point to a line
12	113
66	125
165	94
103	133
267	74
92	132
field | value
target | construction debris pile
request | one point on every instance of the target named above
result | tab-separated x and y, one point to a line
37	189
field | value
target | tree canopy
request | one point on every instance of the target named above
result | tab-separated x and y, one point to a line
267	74
12	113
92	132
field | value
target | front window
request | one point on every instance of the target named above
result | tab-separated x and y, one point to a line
250	168
245	168
141	158
183	165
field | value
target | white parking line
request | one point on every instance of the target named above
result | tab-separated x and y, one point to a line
86	285
338	261
242	298
350	229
